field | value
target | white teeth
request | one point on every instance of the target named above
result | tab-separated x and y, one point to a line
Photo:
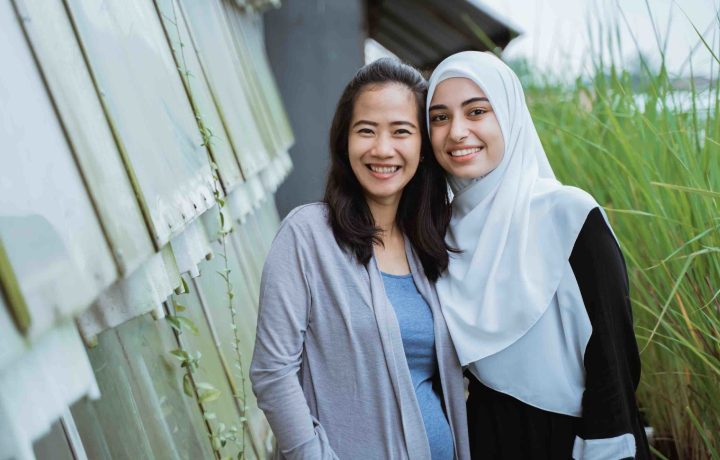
384	170
462	153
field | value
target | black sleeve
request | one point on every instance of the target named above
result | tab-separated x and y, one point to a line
611	422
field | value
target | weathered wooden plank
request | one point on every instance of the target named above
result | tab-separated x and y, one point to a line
249	81
143	412
53	40
216	360
148	109
252	51
212	291
48	226
186	58
213	40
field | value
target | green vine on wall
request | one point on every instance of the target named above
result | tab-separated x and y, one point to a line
205	392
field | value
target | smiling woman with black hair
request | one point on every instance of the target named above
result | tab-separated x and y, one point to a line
353	358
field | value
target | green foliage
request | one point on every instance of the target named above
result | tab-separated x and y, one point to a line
177	322
208	395
188	324
650	155
206	392
187	386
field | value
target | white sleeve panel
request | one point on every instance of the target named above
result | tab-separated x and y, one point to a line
605	449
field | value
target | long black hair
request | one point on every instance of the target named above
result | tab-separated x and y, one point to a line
424	210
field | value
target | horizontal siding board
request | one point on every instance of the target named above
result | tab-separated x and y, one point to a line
212	289
48	226
148	108
214	43
251	32
250	82
143	412
54	43
186	58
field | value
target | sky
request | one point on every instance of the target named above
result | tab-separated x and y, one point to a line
555	32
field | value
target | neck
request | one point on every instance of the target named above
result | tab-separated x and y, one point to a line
385	215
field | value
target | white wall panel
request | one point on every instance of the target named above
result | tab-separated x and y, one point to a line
53	40
143	412
186	58
212	369
141	88
213	40
48	225
250	25
259	79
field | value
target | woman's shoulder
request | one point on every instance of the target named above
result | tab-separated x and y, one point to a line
551	194
564	205
306	233
307	214
572	199
306	221
596	243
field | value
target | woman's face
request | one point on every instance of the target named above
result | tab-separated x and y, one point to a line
384	141
464	130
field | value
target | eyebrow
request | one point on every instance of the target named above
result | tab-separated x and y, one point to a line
474	99
469	101
394	123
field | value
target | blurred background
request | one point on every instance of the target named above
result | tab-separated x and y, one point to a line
150	148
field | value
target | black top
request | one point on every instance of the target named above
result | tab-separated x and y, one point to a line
502	427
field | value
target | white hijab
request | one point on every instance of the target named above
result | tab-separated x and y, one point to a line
516	227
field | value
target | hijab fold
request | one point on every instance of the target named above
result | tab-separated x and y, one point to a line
516	227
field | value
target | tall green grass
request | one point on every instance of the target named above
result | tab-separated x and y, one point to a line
653	162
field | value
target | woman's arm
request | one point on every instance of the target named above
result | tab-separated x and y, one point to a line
282	322
611	427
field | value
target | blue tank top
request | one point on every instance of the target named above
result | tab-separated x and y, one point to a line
418	337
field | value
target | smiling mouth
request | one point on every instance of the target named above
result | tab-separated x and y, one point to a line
383	169
463	152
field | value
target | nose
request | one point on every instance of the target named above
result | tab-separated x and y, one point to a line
458	130
383	147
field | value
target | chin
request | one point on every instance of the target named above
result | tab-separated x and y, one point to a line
383	194
466	172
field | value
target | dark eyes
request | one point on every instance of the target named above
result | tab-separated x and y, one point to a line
442	117
370	131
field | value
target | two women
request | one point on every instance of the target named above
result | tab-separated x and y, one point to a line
353	359
354	356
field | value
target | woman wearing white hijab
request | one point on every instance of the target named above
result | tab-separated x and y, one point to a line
537	303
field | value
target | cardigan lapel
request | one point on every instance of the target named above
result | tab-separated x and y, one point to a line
442	335
389	329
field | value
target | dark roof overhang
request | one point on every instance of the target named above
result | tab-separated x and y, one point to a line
424	32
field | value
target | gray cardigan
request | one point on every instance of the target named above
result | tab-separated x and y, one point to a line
329	369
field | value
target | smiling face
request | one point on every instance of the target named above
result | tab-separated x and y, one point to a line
384	141
464	130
